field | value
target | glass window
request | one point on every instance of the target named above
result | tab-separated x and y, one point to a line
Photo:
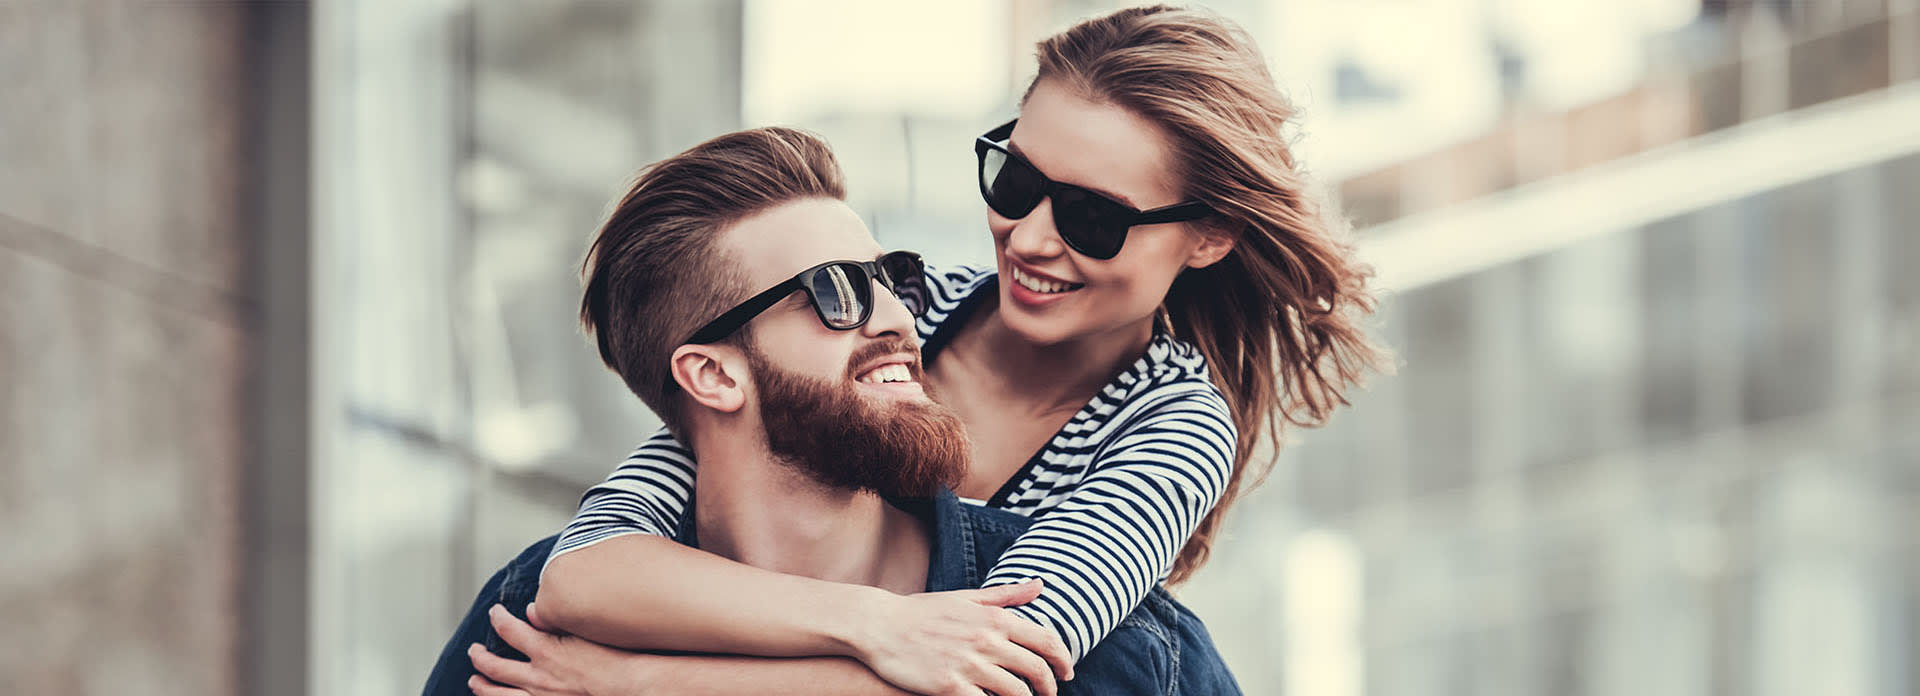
1439	381
1583	350
565	108
1786	316
1900	250
1669	309
1564	643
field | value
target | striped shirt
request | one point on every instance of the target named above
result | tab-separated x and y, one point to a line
1114	494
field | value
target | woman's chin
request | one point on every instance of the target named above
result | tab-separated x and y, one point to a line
1035	330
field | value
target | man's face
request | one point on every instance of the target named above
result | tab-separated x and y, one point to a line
771	247
820	392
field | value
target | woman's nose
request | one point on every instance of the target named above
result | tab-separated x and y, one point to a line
1034	235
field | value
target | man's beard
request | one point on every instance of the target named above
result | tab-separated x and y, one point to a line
841	439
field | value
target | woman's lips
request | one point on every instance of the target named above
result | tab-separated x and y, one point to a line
1033	290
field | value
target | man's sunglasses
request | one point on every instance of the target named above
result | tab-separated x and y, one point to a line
1088	222
841	293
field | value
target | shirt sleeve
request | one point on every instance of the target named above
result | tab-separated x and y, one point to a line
947	288
1107	544
646	494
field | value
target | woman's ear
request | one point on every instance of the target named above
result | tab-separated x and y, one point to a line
1214	245
714	376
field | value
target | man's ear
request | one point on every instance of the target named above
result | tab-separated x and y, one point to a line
713	375
1215	244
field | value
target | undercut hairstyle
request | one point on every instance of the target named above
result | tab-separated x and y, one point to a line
654	273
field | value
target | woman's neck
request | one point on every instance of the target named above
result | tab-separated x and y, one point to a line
1058	376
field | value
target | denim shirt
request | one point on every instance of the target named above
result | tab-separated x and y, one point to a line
1160	649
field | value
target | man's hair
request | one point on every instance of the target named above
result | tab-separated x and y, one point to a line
653	273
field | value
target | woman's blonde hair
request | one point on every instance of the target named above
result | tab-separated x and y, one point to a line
1278	319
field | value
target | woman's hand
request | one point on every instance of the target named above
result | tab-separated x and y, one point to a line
963	642
557	665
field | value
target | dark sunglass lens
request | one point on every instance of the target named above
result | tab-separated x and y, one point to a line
1011	187
906	275
1092	225
841	292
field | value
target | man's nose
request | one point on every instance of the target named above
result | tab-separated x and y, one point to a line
890	315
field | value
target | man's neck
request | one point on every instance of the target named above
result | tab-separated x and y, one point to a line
751	508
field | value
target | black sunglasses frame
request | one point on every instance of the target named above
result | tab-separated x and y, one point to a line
1070	226
860	274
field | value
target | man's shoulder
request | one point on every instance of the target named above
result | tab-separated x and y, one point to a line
1160	648
995	523
514	587
521	576
968	538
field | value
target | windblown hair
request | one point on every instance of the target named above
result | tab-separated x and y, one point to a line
1279	318
653	273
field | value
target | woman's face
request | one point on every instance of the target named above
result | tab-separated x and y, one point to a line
1051	294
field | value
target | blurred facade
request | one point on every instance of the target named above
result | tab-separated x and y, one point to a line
292	360
1654	428
152	305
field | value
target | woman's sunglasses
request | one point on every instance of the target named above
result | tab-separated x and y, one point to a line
841	293
1088	222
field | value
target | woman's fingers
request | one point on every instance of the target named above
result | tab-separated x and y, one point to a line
1043	643
533	617
517	633
499	669
1001	682
1022	663
481	687
1005	595
1031	635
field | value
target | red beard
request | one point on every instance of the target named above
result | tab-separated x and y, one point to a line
844	440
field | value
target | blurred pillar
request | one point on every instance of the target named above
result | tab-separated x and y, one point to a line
136	338
275	205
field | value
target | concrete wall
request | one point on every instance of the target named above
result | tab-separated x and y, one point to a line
127	322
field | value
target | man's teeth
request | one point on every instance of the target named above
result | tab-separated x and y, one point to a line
1041	285
888	373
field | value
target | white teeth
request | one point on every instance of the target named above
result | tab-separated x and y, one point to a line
1040	285
888	373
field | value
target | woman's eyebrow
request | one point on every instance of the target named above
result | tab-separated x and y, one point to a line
1117	198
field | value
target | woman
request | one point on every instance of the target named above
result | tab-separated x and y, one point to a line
1165	295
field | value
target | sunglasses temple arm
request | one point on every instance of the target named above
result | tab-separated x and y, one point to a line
1179	212
737	317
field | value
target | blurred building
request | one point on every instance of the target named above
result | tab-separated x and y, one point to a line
1654	427
292	360
465	152
152	270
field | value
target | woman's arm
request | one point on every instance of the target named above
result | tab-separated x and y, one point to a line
558	664
646	592
614	578
1118	532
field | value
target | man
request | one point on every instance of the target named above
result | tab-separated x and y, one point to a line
738	296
